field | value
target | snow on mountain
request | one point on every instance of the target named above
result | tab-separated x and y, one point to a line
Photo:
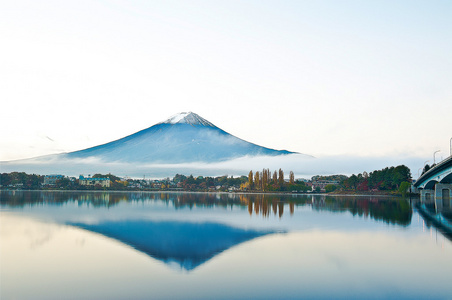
185	137
188	118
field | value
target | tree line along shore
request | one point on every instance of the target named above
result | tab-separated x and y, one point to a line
390	180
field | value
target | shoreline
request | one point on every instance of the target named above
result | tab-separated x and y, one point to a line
344	193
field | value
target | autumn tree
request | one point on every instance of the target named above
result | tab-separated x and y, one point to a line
275	177
281	177
257	180
250	179
265	178
291	178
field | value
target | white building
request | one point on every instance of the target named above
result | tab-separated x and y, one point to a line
52	179
321	184
89	181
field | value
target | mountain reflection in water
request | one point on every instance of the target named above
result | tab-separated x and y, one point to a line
141	245
183	243
389	210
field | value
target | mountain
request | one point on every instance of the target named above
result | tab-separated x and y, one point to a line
183	138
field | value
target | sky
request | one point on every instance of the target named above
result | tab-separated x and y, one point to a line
370	79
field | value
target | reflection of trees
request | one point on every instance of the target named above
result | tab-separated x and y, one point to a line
256	207
275	206
263	204
281	209
265	211
394	211
25	198
385	209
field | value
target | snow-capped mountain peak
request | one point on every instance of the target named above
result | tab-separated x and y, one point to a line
185	137
189	118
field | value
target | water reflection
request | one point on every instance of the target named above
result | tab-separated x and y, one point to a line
333	247
389	210
184	244
441	220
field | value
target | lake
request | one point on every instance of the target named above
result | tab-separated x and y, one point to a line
115	245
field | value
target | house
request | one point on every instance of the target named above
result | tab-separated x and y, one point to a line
321	184
89	181
52	179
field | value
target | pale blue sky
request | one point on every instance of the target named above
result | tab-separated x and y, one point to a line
365	78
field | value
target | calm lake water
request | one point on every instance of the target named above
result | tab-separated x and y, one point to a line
68	245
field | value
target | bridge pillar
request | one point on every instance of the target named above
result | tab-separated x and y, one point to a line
427	196
443	196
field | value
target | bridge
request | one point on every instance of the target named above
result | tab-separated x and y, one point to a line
435	185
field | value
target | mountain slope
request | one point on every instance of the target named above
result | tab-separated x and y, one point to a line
185	137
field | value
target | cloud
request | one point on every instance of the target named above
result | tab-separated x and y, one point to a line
301	165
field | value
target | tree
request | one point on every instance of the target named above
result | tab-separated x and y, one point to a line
190	180
291	177
281	177
353	181
5	179
179	178
403	188
403	173
112	178
264	179
250	179
257	180
275	177
63	183
330	188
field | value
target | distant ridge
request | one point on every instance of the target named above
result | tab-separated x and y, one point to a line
183	138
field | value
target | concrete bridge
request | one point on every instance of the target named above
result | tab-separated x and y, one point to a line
435	185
